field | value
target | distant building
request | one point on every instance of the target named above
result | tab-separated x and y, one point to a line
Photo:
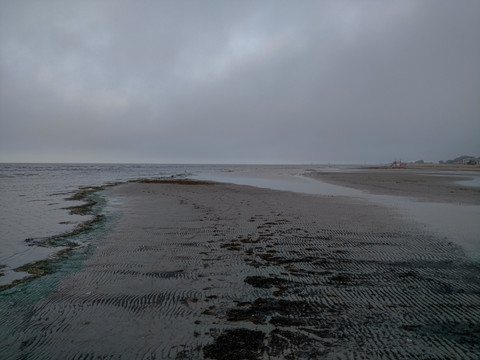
398	165
465	160
471	161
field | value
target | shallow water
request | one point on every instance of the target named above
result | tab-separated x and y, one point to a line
285	178
471	182
457	223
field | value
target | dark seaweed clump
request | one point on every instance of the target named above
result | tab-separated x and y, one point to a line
85	195
236	344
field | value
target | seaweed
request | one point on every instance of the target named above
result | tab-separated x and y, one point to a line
175	181
83	194
281	311
265	282
247	314
286	321
236	344
40	268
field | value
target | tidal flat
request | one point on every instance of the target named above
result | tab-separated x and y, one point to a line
213	270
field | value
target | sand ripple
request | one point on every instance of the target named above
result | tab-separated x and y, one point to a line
195	271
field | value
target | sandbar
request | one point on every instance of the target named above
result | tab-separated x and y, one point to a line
221	271
425	184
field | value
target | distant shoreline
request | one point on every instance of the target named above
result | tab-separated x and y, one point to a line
434	185
428	166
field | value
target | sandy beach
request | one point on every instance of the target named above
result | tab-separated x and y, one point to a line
424	183
198	270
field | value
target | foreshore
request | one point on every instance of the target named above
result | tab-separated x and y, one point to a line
199	270
422	183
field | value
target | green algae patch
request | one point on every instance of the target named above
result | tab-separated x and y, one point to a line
83	227
37	268
84	194
84	209
40	268
174	181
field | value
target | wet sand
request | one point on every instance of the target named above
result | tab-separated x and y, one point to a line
225	271
427	184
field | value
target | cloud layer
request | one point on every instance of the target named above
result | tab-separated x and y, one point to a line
239	82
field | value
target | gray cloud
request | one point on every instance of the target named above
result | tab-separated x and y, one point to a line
252	81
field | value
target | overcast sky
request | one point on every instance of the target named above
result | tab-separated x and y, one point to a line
239	81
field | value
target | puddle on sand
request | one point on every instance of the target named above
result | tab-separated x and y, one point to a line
472	182
279	179
454	222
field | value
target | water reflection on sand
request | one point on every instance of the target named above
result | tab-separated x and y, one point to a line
458	223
